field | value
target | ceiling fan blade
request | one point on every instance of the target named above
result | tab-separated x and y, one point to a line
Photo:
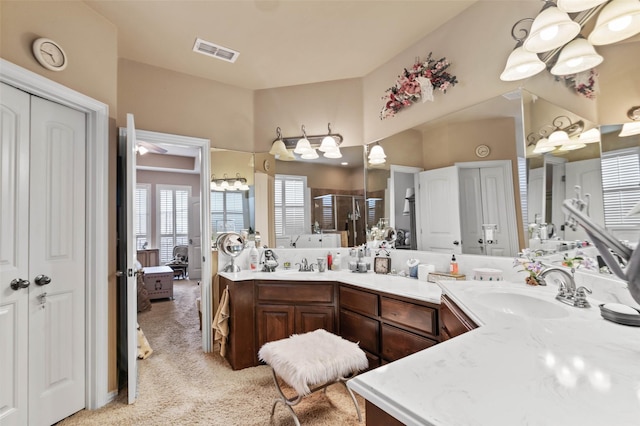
151	147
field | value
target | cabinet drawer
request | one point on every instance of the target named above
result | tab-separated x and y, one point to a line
294	293
421	318
359	301
398	343
358	328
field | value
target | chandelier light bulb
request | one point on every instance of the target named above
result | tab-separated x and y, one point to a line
617	21
311	154
303	146
549	33
619	24
558	138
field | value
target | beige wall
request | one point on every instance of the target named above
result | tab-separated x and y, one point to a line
324	176
170	102
90	42
232	162
312	105
619	81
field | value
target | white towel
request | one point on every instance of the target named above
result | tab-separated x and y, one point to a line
221	322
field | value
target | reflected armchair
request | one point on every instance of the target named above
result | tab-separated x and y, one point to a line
180	261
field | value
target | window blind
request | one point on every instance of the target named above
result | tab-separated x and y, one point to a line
621	186
173	219
229	211
142	215
290	212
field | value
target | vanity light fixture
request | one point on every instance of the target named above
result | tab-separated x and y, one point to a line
377	155
551	41
306	146
237	183
565	135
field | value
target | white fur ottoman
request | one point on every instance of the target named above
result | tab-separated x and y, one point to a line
310	362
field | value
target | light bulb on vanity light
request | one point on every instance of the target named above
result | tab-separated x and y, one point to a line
377	155
618	20
552	28
577	56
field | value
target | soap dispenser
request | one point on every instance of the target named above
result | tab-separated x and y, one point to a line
453	267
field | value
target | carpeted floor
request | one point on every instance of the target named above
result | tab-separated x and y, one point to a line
181	385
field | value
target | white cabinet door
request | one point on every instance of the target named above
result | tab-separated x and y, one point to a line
14	255
439	211
42	350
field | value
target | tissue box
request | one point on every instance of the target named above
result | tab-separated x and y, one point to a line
487	274
439	276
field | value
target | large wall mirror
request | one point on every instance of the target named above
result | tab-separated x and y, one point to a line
320	202
594	163
232	192
442	181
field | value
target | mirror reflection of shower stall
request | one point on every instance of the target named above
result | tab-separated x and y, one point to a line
341	213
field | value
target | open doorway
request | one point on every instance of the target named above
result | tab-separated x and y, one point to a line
171	179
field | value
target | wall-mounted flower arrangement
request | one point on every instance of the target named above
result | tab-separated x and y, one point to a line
584	83
417	84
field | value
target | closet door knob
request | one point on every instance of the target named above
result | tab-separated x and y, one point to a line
19	283
42	280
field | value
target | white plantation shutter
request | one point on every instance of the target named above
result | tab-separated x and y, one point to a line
621	186
143	218
173	218
524	201
229	211
290	212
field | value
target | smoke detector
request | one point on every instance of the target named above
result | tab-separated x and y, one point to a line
214	50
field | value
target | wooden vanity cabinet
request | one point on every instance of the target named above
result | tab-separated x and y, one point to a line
285	308
453	321
387	327
241	345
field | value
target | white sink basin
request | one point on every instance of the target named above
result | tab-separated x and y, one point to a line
522	305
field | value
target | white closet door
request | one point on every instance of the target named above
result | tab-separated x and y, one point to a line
56	252
439	212
471	211
14	255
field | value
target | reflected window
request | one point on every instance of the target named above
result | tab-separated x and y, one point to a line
173	218
621	187
142	216
229	211
291	216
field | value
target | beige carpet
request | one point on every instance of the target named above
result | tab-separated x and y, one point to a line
181	385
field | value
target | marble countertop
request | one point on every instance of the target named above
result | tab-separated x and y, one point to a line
391	284
573	369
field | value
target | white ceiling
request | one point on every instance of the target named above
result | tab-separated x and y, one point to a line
281	42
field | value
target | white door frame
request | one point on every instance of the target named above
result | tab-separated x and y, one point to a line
204	158
97	212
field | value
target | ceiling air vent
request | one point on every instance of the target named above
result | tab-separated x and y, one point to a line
210	49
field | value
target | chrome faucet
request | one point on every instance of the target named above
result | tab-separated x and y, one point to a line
567	291
304	266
